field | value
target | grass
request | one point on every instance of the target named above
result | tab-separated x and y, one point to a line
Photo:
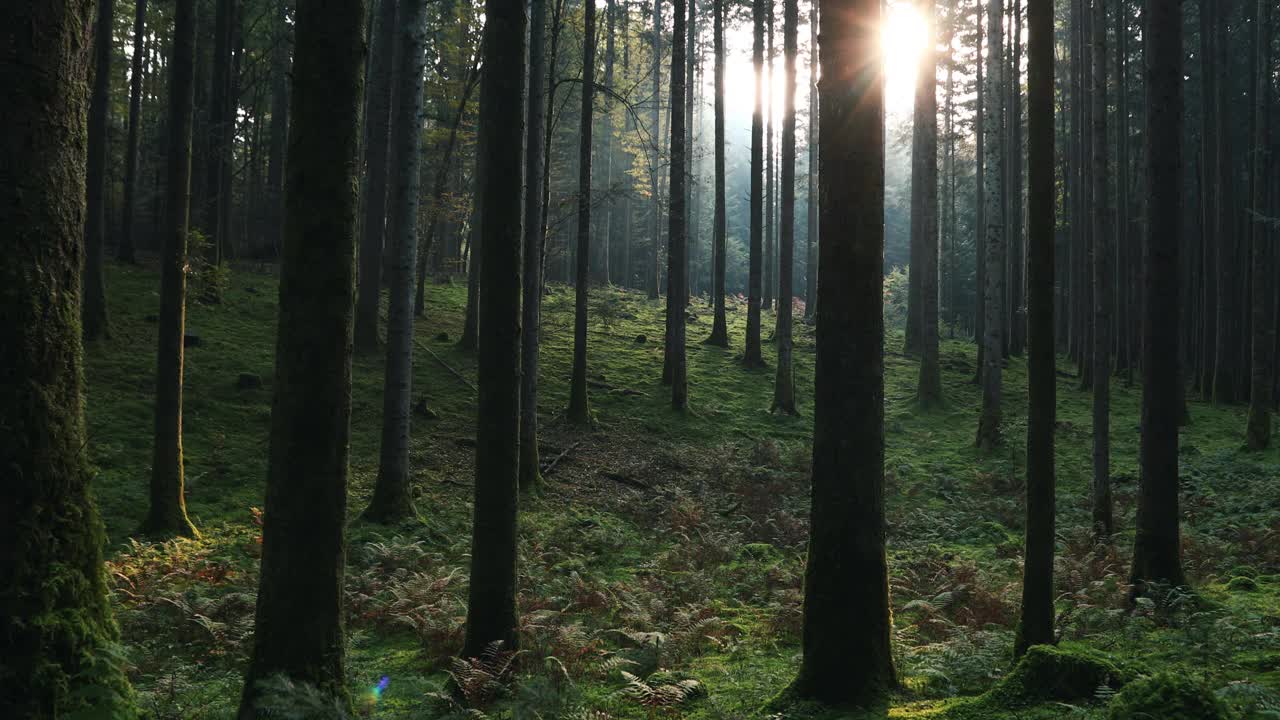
666	545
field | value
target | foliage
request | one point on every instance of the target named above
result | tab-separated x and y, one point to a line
1169	697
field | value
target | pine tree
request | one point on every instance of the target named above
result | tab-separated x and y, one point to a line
925	270
578	406
719	330
752	356
534	247
298	628
94	310
993	259
784	392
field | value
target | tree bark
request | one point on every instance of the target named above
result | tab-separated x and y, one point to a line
1262	380
1157	554
491	606
298	628
93	315
719	330
534	246
1103	526
655	131
929	387
377	130
812	200
784	391
392	500
167	514
125	248
993	281
766	301
55	614
578	406
677	230
279	131
1035	626
752	356
846	635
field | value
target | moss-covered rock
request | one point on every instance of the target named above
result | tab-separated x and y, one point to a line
1066	673
1168	697
1242	584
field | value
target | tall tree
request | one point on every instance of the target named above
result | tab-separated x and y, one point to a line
125	248
719	330
1035	626
1102	262
677	228
925	271
534	243
784	391
392	499
93	313
222	120
993	235
377	130
578	410
811	237
979	199
298	626
752	356
280	67
655	134
1157	550
491	607
167	513
1262	380
55	615
766	301
846	635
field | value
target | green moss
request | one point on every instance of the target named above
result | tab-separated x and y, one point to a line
1168	697
1062	674
1242	584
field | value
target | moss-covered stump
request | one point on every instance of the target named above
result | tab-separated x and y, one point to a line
1064	674
1168	697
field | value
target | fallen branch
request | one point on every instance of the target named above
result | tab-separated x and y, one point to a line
546	469
625	480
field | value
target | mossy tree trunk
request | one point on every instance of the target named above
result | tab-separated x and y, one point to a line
1157	550
784	386
677	228
534	244
94	310
55	617
377	131
719	329
929	385
299	621
578	406
1035	626
491	606
992	285
392	499
752	356
847	627
167	514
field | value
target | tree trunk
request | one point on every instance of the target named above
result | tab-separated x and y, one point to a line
93	315
56	614
125	248
979	203
377	129
811	238
470	339
719	330
392	500
655	137
578	407
279	131
606	233
677	232
993	288
221	134
766	301
752	356
1035	626
1157	545
534	246
167	513
846	635
784	391
298	628
929	387
491	605
1103	525
1261	401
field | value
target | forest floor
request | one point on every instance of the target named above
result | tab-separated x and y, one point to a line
670	547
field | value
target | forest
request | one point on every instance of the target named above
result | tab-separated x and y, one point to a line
639	359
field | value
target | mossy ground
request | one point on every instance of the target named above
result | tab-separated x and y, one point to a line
662	540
